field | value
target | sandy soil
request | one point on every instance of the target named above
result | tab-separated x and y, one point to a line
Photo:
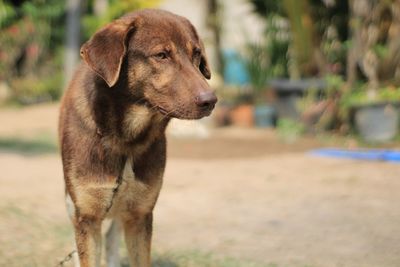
241	193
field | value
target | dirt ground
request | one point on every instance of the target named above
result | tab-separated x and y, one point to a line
241	193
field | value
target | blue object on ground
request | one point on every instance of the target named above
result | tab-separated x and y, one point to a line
264	115
364	154
235	72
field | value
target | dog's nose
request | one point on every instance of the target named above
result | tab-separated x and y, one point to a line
206	100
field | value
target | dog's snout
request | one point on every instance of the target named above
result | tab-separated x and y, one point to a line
206	100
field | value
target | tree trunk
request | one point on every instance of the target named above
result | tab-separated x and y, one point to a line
352	54
214	24
72	44
309	60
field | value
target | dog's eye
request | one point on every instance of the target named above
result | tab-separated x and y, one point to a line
196	53
161	55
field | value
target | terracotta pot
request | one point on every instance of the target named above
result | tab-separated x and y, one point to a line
221	115
243	116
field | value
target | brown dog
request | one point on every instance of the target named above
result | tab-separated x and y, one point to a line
138	72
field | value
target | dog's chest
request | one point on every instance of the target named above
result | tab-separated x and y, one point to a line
134	195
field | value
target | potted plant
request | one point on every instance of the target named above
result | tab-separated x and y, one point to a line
242	113
374	113
257	63
240	109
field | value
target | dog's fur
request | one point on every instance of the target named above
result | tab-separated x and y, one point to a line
138	72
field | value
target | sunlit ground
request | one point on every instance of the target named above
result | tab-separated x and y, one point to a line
243	197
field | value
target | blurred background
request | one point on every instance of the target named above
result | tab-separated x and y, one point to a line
297	166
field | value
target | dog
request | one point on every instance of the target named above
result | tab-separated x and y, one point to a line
137	73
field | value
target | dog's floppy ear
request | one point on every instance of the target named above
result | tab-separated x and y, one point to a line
204	68
105	51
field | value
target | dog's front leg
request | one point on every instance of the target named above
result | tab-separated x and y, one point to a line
138	239
93	199
137	221
88	241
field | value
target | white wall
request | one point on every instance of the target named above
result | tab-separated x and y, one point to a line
240	24
194	10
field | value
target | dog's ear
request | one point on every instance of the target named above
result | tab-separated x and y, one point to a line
105	51
204	68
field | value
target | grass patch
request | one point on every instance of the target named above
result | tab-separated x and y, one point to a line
199	259
39	145
30	239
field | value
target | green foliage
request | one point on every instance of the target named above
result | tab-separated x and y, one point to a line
31	34
33	29
290	130
310	21
257	63
362	96
334	84
198	259
331	15
277	40
301	29
91	22
32	37
40	145
276	37
267	7
267	58
335	50
380	50
7	13
323	15
33	89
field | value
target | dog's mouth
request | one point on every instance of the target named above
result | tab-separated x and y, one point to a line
163	111
169	113
185	115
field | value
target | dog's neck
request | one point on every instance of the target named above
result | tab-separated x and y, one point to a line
117	115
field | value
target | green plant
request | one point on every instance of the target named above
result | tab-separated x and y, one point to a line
39	145
31	35
320	107
199	259
7	13
277	39
91	21
257	64
33	89
290	130
362	96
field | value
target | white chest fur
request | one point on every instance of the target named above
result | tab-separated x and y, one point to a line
134	195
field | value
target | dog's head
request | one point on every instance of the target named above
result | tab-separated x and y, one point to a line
162	59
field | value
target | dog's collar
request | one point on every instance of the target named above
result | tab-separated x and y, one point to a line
99	133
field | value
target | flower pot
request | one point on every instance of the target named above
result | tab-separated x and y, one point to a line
264	116
221	115
243	116
377	122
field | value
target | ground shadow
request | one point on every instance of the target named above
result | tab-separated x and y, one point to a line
164	262
158	262
28	147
